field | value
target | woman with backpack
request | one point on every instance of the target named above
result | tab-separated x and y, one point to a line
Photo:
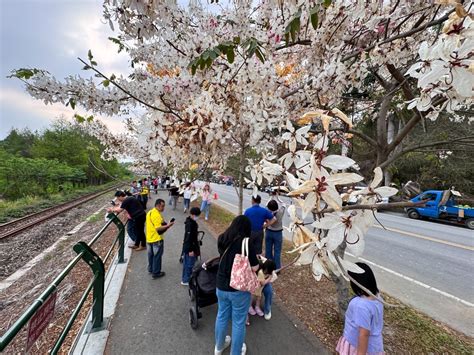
232	304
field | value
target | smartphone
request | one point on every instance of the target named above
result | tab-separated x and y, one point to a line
172	220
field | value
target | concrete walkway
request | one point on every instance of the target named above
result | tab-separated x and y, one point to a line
152	315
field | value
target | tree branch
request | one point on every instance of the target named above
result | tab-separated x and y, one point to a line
376	206
364	136
176	48
415	118
420	146
303	42
121	88
402	35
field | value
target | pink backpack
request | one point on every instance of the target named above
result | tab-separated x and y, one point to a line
242	277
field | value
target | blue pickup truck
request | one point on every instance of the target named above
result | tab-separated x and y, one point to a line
442	205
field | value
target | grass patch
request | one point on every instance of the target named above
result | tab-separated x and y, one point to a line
406	331
31	204
219	218
95	218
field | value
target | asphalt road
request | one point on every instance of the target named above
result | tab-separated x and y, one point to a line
428	265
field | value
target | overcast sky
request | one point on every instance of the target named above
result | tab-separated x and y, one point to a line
50	34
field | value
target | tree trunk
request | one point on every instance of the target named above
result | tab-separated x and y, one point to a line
241	179
342	286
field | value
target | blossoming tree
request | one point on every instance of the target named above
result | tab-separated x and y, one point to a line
217	79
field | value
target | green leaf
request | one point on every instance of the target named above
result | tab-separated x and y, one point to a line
112	77
90	118
230	55
24	73
93	62
193	69
86	67
89	54
214	53
313	15
79	118
72	102
106	82
327	3
237	40
260	55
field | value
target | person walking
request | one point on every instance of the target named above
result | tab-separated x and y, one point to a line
206	198
155	228
191	248
187	193
363	323
260	218
274	233
144	194
136	212
232	304
134	190
174	195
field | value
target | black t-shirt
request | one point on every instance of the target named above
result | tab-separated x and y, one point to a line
174	191
133	207
227	260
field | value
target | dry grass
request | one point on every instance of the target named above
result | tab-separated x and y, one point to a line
406	331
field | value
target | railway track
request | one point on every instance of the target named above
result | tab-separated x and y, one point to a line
18	225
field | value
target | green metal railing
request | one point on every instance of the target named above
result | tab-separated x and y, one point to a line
96	285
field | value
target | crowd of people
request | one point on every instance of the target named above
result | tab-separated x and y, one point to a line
240	247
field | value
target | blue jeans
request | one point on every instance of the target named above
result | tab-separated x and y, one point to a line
155	252
273	242
268	295
205	207
131	230
232	305
188	264
186	203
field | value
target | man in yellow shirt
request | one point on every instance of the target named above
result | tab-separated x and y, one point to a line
155	228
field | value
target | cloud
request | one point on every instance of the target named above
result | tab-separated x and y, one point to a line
90	32
30	110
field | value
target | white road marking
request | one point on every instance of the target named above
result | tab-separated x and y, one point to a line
419	283
407	278
415	235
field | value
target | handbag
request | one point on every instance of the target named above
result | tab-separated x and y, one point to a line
242	277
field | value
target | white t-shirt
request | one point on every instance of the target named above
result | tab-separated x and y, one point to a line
187	193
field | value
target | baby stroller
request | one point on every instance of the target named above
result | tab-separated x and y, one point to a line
202	289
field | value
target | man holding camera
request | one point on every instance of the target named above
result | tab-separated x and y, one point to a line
155	228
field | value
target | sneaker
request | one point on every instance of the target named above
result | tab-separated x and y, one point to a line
207	219
226	345
259	311
268	315
244	349
184	283
252	311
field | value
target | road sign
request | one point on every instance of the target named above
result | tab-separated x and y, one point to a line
40	320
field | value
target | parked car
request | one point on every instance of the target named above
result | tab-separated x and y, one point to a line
442	205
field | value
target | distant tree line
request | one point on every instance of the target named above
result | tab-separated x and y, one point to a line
63	157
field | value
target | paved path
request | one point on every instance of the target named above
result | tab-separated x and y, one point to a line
425	264
152	315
